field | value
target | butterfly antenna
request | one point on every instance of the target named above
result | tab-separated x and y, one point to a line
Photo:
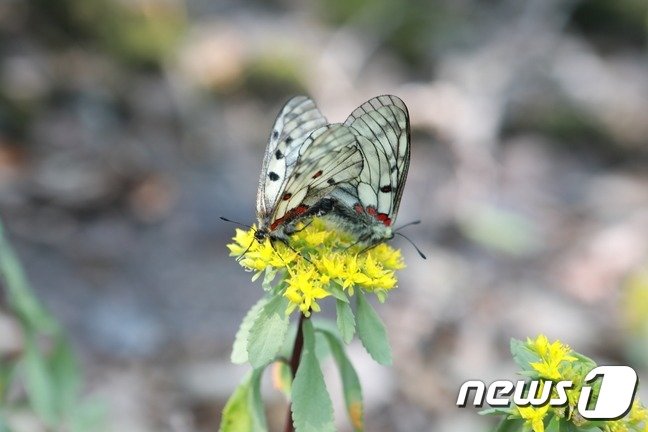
412	243
235	222
246	251
416	222
292	249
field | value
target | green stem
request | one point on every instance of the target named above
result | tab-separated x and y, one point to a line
294	365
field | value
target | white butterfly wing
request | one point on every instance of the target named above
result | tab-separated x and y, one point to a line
382	127
298	118
330	156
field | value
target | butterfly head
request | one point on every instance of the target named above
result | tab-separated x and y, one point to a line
261	234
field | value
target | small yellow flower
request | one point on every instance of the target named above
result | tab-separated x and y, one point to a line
552	356
317	259
534	417
638	413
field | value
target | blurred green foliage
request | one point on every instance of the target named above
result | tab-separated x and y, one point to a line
139	33
42	378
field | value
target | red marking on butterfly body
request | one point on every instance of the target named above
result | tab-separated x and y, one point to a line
289	216
371	211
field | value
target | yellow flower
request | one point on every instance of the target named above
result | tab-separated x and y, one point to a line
304	288
534	416
552	355
638	413
318	261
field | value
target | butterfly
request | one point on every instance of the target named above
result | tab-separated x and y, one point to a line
305	159
366	205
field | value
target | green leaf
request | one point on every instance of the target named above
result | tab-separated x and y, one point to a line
345	320
372	331
350	382
289	341
65	376
322	350
337	292
236	414
554	424
268	332
242	413
19	294
522	355
256	404
312	410
39	382
239	350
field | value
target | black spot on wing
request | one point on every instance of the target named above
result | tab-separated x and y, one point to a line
275	134
273	176
278	154
386	189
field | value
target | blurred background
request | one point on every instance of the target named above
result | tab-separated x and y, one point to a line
127	127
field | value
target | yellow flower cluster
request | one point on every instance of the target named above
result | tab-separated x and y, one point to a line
552	356
558	362
318	263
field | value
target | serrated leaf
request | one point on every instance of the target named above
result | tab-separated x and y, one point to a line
39	382
268	332
345	320
239	349
241	412
371	331
350	382
312	410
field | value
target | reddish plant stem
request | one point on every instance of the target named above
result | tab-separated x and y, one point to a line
294	365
